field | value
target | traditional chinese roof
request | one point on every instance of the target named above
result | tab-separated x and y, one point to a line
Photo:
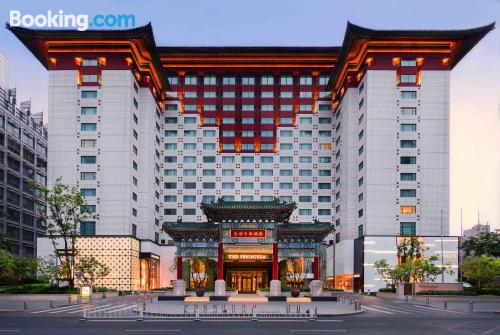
248	211
316	231
184	231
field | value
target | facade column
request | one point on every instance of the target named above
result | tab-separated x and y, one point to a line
316	286
220	283
179	267
179	284
316	268
275	261
275	285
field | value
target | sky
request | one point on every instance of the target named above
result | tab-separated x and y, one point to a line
475	81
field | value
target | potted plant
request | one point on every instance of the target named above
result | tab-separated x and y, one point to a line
198	276
298	268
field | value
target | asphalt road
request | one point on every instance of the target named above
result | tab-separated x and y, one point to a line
381	317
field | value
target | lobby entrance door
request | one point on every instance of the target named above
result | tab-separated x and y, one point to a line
247	281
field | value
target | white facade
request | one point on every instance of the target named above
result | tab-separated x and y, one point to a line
4	72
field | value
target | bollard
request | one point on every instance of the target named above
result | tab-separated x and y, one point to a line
254	314
69	299
350	300
445	304
427	301
406	298
84	318
25	305
471	306
343	299
197	313
141	314
51	303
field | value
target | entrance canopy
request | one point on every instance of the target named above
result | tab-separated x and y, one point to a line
248	211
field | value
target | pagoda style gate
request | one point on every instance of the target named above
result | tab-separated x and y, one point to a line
231	223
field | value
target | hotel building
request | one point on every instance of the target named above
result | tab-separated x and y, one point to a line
251	155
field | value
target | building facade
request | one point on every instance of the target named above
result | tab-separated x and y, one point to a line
356	136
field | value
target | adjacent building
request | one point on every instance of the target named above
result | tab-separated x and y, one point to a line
355	136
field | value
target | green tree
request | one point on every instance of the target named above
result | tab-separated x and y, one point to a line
88	267
67	209
481	269
24	269
6	267
102	272
483	244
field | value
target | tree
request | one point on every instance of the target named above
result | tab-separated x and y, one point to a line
298	268
90	270
6	266
198	271
481	269
67	210
102	271
483	244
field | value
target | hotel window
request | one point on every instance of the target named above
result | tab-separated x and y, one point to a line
266	159
408	78
286	95
361	103
189	159
173	80
169	211
408	193
247	198
323	94
190	186
89	94
408	94
266	173
360	197
324	198
247	120
408	160
286	120
266	133
209	120
286	146
247	173
266	198
208	94
208	159
208	172
209	107
408	177
266	186
305	173
304	211
189	172
267	108
89	78
171	120
88	111
324	107
247	159
170	186
360	119
247	108
325	146
228	133
88	127
407	209
192	94
208	186
360	166
408	143
286	80
305	120
170	172
209	80
190	108
88	159
360	213
408	62
88	192
189	133
247	146
286	159
170	146
247	80
286	173
208	198
170	159
190	79
305	186
267	94
228	120
324	186
267	120
208	133
324	211
227	159
89	62
323	79
361	134
87	228
408	110
303	94
305	159
247	133
325	133
87	175
324	173
361	88
247	94
267	80
189	146
305	80
228	146
88	209
360	150
305	198
229	94
227	172
286	133
88	143
305	108
325	160
229	80
189	198
286	198
408	127
247	186
407	229
360	181
325	120
171	107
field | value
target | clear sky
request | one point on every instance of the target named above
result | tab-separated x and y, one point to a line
475	82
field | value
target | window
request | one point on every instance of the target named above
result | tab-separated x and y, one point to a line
286	120
228	133
266	108
208	186
247	94
228	80
208	159
286	146
209	107
190	108
266	133
305	159
170	172
247	172
360	166
325	146
88	192
247	80
408	62
193	94
408	78
190	120
267	94
87	228
286	80
305	120
88	111
266	186
286	108
247	108
87	175
247	120
305	198
323	79
305	80
228	159
190	146
267	120
169	211
360	150
409	127
228	94
209	120
324	211
88	159
286	159
305	173
361	134
189	172
408	143
89	78
408	193
171	107
286	173
228	186
247	146
407	209
287	95
267	80
407	228
408	160
228	172
189	211
228	120
266	159
209	80
208	198
305	186
408	176
408	94
228	108
325	160
208	133
190	186
324	173
170	186
247	159
89	94
324	107
228	146
305	133
305	211
360	181
408	110
307	94
247	186
88	127
189	198
324	186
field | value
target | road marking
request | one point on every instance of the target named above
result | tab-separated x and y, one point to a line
319	330
153	330
439	310
9	330
121	309
376	310
58	308
394	309
330	320
91	310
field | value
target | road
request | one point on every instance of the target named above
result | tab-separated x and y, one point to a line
381	317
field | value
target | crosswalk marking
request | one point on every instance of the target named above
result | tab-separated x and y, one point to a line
71	310
393	309
57	309
96	309
439	310
121	309
376	310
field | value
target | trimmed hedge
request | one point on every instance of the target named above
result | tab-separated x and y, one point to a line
387	289
36	289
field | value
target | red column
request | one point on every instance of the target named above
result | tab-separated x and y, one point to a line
220	262
316	268
179	267
275	261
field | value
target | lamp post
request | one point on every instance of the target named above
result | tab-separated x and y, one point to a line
442	249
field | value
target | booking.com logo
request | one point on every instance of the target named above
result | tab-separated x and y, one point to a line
81	22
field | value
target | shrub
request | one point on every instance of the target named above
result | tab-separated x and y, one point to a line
490	290
387	289
36	289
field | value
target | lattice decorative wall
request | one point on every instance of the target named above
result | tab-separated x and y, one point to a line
120	254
